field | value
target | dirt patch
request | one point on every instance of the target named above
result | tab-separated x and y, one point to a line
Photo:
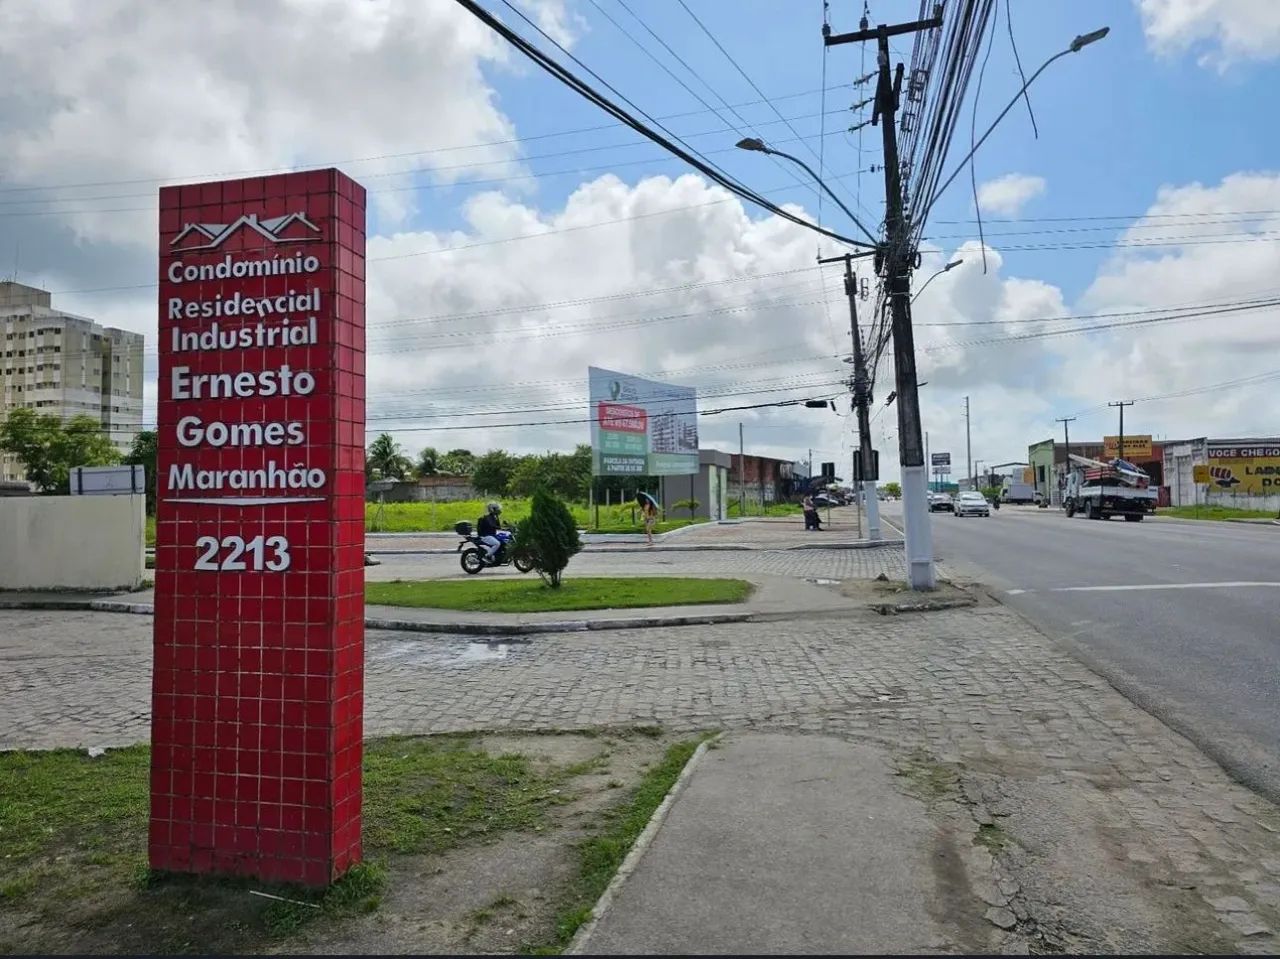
472	845
503	896
890	597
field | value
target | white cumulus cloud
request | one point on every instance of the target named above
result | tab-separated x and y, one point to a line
1224	30
1007	195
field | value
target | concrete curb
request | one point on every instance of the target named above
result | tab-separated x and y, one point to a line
578	944
427	626
620	548
84	605
857	544
555	626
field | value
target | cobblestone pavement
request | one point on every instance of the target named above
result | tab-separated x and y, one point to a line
805	563
1107	831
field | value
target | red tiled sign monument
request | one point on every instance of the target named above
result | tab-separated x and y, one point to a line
259	582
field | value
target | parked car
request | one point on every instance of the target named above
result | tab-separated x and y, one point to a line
941	503
972	504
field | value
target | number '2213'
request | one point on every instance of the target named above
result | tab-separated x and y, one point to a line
269	553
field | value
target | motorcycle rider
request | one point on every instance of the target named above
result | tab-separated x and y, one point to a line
487	529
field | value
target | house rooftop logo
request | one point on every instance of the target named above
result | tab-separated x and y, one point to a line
291	228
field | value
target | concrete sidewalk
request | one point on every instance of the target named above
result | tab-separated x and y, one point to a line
793	844
774	598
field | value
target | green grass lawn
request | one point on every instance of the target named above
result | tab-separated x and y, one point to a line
768	509
441	517
601	855
73	836
532	596
1215	512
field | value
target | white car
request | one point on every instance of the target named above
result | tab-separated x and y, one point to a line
972	504
940	502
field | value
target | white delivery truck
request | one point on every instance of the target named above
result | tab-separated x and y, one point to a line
1100	490
1015	491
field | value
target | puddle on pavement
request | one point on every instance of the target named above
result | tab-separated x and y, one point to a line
822	582
433	652
485	652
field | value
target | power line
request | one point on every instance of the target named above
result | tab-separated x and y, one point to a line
567	422
568	79
679	59
1261	300
518	12
265	171
449	184
1119	216
737	66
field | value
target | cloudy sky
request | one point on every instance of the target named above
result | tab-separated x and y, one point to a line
519	235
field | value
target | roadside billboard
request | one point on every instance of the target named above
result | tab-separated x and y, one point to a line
1244	469
641	427
940	459
1137	449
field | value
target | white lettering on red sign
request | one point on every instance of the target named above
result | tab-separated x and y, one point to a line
239	324
625	419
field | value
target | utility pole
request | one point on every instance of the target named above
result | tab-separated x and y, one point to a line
968	446
742	476
866	472
1066	439
896	260
1120	440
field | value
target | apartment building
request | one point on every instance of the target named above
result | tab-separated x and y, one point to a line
67	365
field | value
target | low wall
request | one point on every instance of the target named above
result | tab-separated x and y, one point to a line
1270	503
72	542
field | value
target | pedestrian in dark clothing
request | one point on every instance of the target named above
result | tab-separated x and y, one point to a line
811	518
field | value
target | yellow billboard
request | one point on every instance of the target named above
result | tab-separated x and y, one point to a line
1244	469
1136	448
1200	473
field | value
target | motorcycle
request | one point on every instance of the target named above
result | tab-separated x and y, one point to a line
474	557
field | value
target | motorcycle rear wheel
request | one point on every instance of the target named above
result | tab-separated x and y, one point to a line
523	563
472	560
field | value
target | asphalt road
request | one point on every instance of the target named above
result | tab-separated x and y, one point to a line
1182	617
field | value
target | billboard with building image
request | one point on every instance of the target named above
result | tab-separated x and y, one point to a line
641	427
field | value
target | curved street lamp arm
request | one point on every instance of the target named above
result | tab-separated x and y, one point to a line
826	189
926	283
1076	45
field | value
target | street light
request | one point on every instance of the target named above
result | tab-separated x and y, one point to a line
1078	44
756	145
946	269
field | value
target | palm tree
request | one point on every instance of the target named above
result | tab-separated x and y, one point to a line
385	458
428	462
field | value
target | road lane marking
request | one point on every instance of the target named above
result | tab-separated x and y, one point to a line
1232	584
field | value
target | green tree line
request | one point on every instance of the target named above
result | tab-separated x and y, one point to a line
498	472
49	447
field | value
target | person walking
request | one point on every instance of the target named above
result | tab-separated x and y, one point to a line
648	515
811	518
